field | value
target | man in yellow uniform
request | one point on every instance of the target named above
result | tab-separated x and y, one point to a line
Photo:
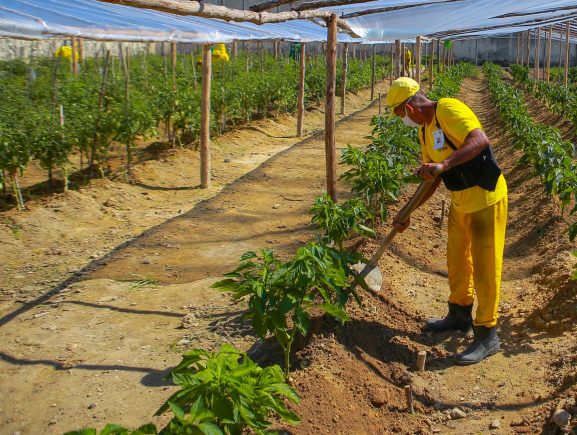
454	145
408	62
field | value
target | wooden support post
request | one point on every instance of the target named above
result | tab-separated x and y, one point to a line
80	50
403	58
234	51
173	54
566	65
537	54
438	56
431	64
74	56
560	48
373	66
518	48
205	118
409	397
398	58
548	70
301	91
418	60
380	108
476	52
421	359
391	77
331	167
528	48
522	53
275	43
344	76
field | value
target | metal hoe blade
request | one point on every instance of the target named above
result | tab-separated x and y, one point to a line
371	272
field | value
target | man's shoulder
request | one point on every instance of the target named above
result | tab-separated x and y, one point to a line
452	107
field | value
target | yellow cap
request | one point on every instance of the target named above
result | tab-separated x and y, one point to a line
401	89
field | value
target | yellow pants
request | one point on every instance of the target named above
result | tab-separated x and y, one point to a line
475	259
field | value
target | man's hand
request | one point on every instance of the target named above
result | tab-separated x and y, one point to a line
401	226
429	171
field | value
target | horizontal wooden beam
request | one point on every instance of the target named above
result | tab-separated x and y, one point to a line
199	9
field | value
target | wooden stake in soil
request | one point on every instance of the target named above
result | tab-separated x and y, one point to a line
431	64
234	49
537	53
418	60
518	48
566	76
344	73
331	167
173	55
373	66
205	118
398	58
409	397
528	48
379	104
548	70
421	358
74	57
442	213
301	92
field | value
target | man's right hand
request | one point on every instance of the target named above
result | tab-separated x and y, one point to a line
401	226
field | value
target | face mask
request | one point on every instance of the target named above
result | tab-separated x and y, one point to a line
409	122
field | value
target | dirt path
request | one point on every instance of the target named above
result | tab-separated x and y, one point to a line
95	349
353	377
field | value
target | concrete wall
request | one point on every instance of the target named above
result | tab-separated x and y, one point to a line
503	51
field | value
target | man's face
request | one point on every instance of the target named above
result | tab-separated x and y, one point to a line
403	109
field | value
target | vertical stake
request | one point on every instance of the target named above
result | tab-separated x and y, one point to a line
548	70
567	54
344	76
205	118
301	91
421	359
409	397
418	60
331	58
373	65
431	64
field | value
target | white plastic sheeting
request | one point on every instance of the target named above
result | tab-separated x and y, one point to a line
438	17
90	19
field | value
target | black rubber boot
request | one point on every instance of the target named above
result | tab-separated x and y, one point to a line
486	343
458	319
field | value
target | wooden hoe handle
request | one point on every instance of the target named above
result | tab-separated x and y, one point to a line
404	214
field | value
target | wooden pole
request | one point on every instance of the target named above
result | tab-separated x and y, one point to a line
438	56
421	359
537	54
522	52
518	48
301	91
373	66
398	58
566	76
560	48
418	60
548	72
331	53
431	64
528	48
392	65
80	50
205	118
74	56
234	50
409	398
344	76
476	52
403	59
173	54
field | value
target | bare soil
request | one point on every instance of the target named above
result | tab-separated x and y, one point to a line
102	288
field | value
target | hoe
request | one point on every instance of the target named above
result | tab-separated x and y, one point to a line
371	272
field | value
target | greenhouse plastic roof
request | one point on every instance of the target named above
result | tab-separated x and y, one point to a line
90	19
451	19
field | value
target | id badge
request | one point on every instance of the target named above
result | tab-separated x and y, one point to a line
438	139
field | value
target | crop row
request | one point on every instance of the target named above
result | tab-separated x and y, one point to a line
226	392
543	147
49	114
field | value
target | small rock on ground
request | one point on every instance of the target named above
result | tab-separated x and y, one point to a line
457	413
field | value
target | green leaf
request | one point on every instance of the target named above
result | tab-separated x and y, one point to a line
209	428
336	312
